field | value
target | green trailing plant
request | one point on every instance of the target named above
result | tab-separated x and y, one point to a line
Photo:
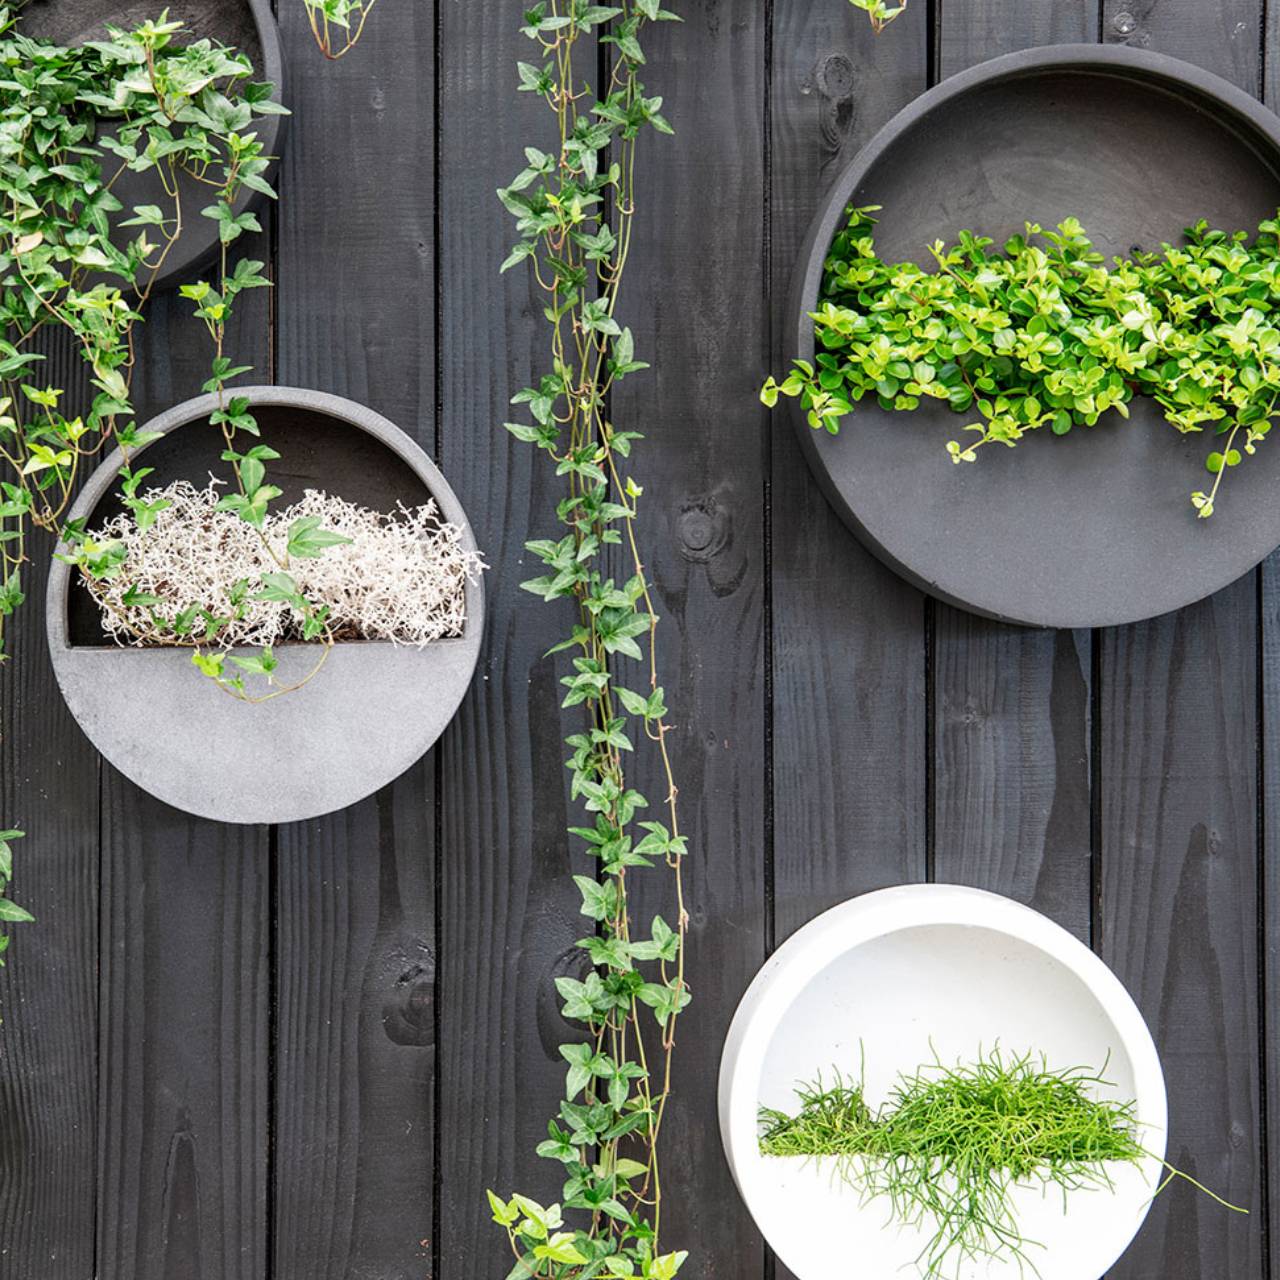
345	17
1044	333
950	1145
10	911
880	13
574	208
72	259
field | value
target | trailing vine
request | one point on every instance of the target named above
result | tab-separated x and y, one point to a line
1045	333
72	122
574	210
345	17
880	12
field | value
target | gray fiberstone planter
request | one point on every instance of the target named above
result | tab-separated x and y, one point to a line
247	25
1093	528
373	710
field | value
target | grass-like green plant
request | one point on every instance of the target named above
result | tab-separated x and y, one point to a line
950	1144
1045	333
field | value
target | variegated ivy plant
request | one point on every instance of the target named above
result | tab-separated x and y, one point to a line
574	208
72	120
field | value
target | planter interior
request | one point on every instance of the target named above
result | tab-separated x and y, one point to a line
247	25
372	711
1094	528
318	452
902	975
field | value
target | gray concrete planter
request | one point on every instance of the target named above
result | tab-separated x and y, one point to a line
373	710
247	25
1093	528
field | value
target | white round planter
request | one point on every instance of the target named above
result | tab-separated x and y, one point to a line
904	975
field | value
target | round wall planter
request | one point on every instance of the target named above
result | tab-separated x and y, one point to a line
373	710
903	973
247	25
1094	528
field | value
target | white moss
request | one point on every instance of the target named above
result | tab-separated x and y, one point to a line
402	577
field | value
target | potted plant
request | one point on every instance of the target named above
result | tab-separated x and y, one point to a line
1039	279
939	1076
134	133
362	571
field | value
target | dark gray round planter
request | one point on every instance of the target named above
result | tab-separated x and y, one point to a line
373	710
1094	528
247	25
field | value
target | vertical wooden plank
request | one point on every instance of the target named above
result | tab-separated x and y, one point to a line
183	1099
1269	887
1179	828
508	915
49	780
182	1187
1012	706
355	938
695	297
1269	781
1179	908
848	659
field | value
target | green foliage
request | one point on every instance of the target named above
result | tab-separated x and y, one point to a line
74	258
346	16
950	1145
1045	334
880	13
573	211
10	911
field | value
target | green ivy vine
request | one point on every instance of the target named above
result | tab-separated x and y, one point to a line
337	25
73	258
574	209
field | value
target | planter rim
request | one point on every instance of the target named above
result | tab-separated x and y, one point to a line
1249	118
355	724
875	915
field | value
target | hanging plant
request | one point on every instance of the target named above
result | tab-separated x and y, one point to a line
72	258
346	17
574	209
1046	333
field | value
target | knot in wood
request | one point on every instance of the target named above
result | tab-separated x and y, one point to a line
703	528
834	77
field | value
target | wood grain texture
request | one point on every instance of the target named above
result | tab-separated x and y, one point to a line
971	31
49	779
184	1044
848	637
696	302
1225	37
1179	841
1269	896
355	946
1179	909
182	1173
1011	705
1269	814
509	910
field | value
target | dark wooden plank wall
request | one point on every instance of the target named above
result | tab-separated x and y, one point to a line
305	1052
